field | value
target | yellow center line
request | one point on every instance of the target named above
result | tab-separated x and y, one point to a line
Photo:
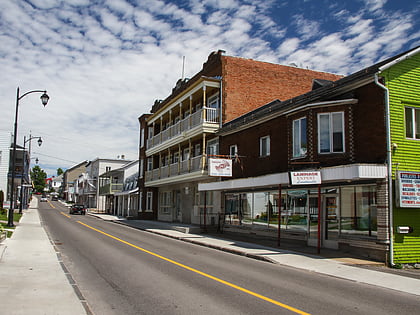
290	308
65	214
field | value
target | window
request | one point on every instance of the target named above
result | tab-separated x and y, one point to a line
213	101
412	123
150	132
165	202
265	146
175	157
149	200
233	150
141	168
149	163
141	137
213	147
331	132
299	137
197	149
186	154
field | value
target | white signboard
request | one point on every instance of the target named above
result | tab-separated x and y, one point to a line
220	167
305	178
409	189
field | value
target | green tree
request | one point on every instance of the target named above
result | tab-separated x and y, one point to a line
38	176
59	171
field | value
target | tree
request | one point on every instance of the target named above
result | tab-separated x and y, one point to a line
38	176
59	171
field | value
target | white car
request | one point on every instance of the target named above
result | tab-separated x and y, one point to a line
44	199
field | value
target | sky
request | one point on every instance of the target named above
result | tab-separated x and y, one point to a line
104	62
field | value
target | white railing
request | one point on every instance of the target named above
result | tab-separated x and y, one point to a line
187	166
189	122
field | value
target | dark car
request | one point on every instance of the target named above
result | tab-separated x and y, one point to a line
77	209
54	198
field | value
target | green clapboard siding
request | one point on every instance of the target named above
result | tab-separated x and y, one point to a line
402	81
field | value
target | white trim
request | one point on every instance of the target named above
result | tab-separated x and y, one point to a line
329	174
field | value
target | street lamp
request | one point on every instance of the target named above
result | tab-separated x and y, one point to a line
44	100
23	166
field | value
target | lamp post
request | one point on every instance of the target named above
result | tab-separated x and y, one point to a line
23	167
44	100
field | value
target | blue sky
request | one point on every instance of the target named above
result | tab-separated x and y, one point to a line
104	63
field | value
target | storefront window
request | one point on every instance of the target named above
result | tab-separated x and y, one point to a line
358	210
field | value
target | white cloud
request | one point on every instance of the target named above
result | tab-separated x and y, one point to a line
105	62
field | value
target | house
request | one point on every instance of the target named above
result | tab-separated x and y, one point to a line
180	132
70	178
120	188
88	182
400	78
316	166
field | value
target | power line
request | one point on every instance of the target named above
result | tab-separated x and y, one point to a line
54	157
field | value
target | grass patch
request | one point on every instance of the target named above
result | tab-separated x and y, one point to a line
16	216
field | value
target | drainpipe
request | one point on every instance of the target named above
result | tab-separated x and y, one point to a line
389	169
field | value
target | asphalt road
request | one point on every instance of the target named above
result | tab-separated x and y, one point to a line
121	270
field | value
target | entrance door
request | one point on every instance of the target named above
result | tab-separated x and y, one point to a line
330	226
177	204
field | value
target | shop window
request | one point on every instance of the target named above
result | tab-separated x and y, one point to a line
358	210
264	146
331	132
299	138
412	123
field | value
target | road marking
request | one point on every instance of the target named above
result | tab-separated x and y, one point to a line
65	214
262	297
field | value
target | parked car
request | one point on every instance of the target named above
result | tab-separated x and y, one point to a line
44	199
54	198
77	209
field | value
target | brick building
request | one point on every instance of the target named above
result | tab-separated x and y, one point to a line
180	132
316	166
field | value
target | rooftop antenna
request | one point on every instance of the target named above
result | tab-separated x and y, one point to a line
183	67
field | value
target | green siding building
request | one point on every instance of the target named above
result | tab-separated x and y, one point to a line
402	79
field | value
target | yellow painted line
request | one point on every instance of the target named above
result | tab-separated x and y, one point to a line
49	202
65	214
262	297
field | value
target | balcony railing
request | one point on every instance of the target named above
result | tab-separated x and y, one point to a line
198	118
175	169
110	189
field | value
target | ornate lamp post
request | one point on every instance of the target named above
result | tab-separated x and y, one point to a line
44	100
23	168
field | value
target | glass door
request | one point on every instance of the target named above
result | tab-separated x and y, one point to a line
331	221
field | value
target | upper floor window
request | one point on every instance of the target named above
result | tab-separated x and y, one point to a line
265	146
233	150
149	163
213	101
197	149
299	137
331	132
213	147
141	137
412	123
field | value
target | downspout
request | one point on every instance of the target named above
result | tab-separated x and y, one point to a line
389	170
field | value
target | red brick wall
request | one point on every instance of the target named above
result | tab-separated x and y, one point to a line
249	84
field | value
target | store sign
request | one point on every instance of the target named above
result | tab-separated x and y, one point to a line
408	189
305	178
220	167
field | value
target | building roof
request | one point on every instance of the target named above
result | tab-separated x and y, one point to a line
324	90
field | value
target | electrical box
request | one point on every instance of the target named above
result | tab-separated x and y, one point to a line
404	229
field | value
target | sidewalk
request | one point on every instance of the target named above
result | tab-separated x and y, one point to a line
345	267
32	280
